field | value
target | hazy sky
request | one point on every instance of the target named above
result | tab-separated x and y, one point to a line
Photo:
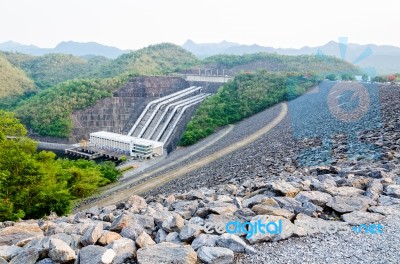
131	24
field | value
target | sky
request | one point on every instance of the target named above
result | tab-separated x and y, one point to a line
132	24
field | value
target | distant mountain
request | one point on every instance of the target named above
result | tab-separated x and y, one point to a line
384	59
69	47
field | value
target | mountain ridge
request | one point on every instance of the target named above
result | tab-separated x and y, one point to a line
65	47
385	59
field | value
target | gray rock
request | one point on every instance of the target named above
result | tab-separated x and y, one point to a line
185	208
29	256
358	218
316	197
383	210
161	236
284	188
136	204
173	223
8	252
387	200
374	189
144	240
215	255
96	255
46	261
107	237
167	253
60	252
344	191
3	261
93	210
92	234
263	209
189	232
145	221
132	231
257	199
232	242
205	240
289	204
286	229
11	235
222	208
120	222
41	245
393	191
124	249
174	238
343	204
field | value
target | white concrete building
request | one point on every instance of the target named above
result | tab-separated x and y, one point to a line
127	145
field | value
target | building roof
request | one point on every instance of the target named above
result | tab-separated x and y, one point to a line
126	139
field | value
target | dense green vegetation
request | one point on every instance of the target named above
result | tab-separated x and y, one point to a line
387	78
52	69
62	92
13	81
247	94
282	63
157	59
48	113
34	184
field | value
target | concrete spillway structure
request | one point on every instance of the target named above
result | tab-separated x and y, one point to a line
155	102
160	117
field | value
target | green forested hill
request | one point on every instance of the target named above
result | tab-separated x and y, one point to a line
68	83
281	63
48	112
13	81
52	69
153	60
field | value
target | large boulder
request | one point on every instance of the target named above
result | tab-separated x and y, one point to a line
107	237
205	240
174	223
8	252
29	256
316	197
393	191
120	222
124	249
277	231
167	253
96	255
359	218
92	234
215	255
20	231
60	252
144	240
284	188
344	191
263	209
343	204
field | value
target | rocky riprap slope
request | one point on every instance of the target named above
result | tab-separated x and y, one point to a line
261	181
156	229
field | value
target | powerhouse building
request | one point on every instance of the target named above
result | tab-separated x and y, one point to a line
127	145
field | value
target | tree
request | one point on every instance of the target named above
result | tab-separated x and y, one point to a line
365	77
347	77
331	77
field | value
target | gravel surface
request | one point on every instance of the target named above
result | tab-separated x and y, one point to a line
278	152
351	248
